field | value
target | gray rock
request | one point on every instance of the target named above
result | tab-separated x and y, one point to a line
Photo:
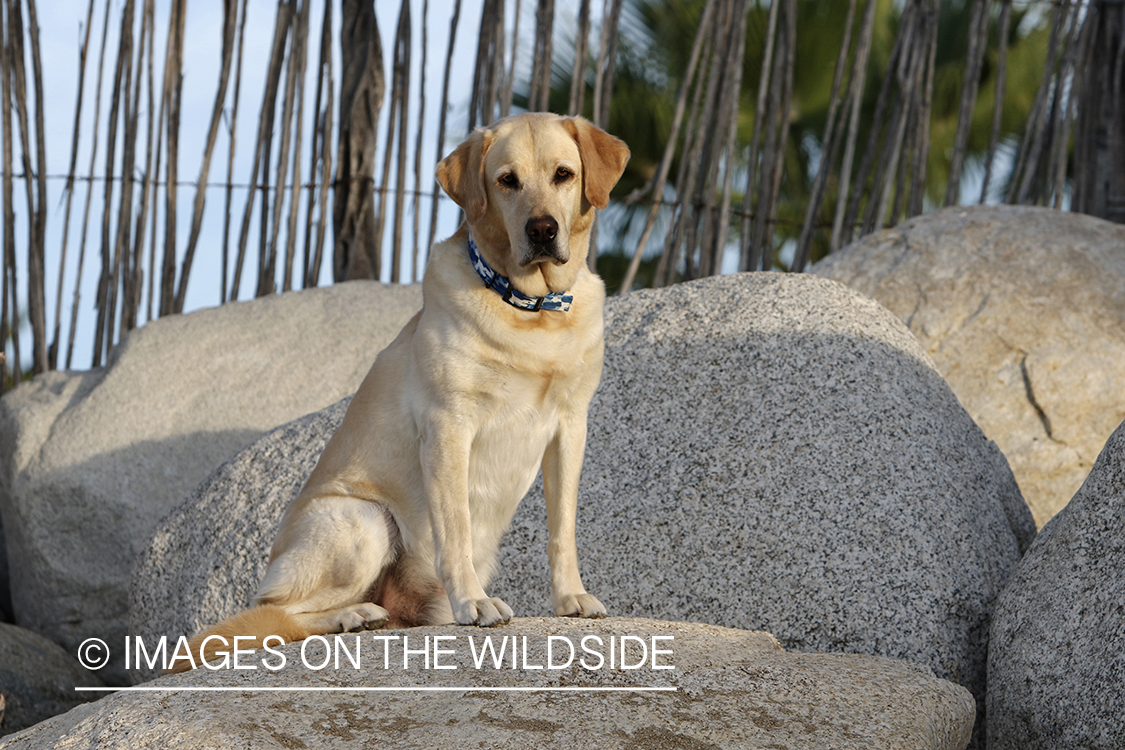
1056	665
1023	311
765	451
6	614
37	679
733	689
91	461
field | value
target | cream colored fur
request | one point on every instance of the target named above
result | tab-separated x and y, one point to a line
400	521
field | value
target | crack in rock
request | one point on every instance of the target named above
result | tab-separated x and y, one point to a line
1043	418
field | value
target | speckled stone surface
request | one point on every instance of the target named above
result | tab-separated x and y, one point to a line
1056	666
765	452
1023	310
91	461
37	679
732	689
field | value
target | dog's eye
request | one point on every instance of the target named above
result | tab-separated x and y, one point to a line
509	180
562	174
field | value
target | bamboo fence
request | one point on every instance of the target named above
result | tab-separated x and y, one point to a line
711	196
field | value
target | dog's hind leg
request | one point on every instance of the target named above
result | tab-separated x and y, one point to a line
336	549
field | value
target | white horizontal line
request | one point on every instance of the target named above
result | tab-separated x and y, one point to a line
227	688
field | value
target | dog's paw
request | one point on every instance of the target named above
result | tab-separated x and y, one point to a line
365	616
486	613
580	605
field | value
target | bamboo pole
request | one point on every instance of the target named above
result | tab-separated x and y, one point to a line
34	174
232	128
510	75
581	49
260	169
174	81
1003	25
53	351
123	246
401	91
978	43
607	63
357	252
1062	143
539	97
827	156
907	75
922	138
1024	171
230	19
661	178
444	111
267	272
858	83
269	220
152	307
89	195
848	224
489	62
298	140
9	323
415	272
685	180
734	90
766	227
747	261
713	140
325	133
316	151
106	278
147	33
36	296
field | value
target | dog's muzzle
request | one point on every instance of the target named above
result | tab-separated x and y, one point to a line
542	232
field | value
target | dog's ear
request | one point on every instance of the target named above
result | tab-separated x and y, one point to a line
461	174
603	159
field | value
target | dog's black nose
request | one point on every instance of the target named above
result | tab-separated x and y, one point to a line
542	230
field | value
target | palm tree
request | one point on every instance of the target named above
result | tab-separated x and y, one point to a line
654	54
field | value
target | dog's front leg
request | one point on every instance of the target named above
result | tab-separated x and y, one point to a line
562	465
445	477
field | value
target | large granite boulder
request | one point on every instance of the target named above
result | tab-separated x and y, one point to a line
37	679
1056	665
89	462
1023	311
728	689
765	452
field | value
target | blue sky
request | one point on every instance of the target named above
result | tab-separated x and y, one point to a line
61	29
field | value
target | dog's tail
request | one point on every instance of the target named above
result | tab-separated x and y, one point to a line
252	627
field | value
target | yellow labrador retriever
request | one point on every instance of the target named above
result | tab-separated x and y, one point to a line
400	521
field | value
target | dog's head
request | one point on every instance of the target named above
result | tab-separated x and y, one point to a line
528	185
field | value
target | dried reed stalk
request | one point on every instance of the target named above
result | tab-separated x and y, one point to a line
230	21
828	143
444	111
581	49
89	196
656	187
539	97
53	351
1003	24
232	128
357	253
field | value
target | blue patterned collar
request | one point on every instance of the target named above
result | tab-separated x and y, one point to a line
554	301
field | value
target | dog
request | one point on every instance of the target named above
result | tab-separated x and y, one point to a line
400	522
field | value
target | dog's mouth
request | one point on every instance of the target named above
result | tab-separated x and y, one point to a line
543	244
544	253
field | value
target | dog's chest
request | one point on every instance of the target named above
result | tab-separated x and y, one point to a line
511	439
